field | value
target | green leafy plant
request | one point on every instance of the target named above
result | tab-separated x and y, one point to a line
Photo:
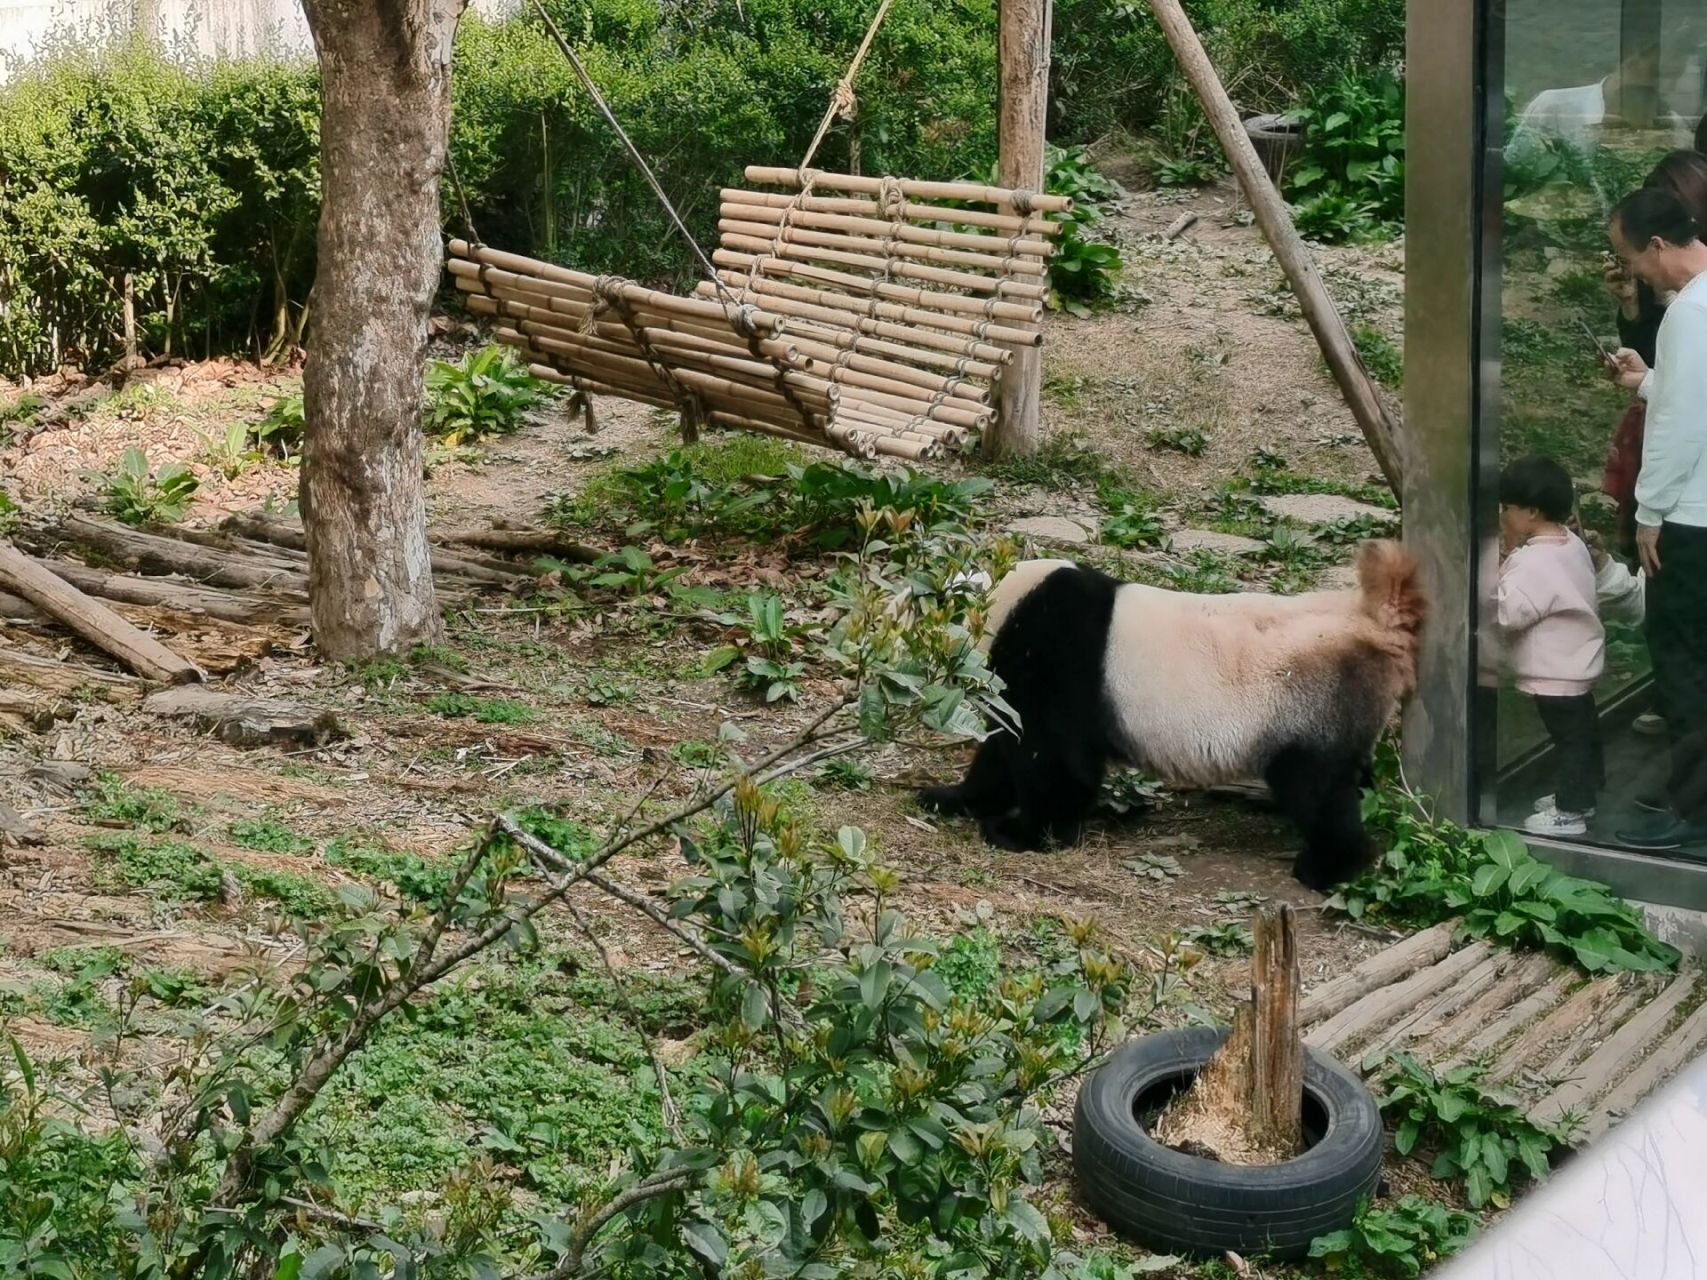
1182	171
1187	440
1433	871
483	394
136	495
461	706
1134	525
1227	939
1126	791
1349	182
1396	1242
1483	1141
230	452
110	801
769	647
1381	355
1082	270
284	427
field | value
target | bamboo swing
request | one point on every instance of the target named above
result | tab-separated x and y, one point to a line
870	315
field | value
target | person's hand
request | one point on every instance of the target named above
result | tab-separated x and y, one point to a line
1597	552
1622	287
1648	547
1628	368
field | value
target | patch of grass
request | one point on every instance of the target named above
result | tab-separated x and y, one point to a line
1382	356
574	840
1203	572
1187	440
438	655
971	964
69	960
515	1060
268	835
172	869
175	987
301	897
1229	939
460	706
1066	460
413	876
1066	389
111	801
1397	1242
847	773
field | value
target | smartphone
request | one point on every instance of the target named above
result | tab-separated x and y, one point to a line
1600	348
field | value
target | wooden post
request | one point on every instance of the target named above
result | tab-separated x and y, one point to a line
1373	416
1246	1105
1022	46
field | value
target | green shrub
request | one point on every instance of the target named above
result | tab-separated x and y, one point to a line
1397	1242
1349	183
136	495
483	394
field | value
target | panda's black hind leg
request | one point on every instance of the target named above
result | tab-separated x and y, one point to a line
1323	796
1055	784
986	791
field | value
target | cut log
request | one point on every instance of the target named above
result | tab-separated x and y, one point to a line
520	542
1607	1064
1534	1005
1562	1021
246	722
1679	1048
131	548
14	829
67	679
288	533
33	710
1246	1105
184	596
92	620
1429	1016
66	777
1378	1008
1381	969
1530	973
1582	1042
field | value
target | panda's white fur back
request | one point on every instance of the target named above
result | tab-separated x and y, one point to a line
1196	698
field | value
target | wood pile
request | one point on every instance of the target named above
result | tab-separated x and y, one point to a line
875	320
175	605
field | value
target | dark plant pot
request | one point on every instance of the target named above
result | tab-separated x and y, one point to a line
1277	140
1179	1203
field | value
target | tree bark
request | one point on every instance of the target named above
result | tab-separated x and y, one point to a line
385	118
1246	1105
1022	48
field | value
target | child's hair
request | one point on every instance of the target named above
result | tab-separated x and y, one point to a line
1540	484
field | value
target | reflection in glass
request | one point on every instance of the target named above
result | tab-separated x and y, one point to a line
1597	94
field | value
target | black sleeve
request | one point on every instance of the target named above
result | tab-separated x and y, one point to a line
1642	334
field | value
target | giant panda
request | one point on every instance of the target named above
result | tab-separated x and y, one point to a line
1196	689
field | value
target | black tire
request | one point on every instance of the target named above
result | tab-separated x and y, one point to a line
1178	1203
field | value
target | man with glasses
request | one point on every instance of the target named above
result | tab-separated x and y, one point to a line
1659	243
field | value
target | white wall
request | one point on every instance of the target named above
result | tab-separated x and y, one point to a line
206	27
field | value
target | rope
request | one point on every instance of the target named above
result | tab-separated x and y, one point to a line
608	291
628	144
842	100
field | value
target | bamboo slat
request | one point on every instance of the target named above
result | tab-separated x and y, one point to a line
928	215
791	178
799	251
931	302
876	243
735	205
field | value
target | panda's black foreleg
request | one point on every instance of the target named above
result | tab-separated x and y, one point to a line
987	790
1055	783
1322	795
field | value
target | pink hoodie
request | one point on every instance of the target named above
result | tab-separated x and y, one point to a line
1547	615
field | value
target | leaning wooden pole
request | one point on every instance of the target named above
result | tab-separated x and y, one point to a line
1022	47
1377	422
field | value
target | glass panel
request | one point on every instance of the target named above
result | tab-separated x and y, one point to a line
1597	93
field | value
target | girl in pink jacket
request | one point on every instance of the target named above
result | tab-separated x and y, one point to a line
1553	638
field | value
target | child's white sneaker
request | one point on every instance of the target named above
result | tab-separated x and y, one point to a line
1548	802
1551	822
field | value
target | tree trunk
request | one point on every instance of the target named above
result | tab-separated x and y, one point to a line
1246	1105
384	128
1022	48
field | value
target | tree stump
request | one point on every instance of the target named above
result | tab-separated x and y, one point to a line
1246	1105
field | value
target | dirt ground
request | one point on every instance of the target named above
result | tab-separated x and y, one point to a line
1204	337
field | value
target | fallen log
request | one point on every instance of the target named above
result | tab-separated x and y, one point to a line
32	710
17	609
183	596
246	722
67	679
290	534
134	549
92	620
542	542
